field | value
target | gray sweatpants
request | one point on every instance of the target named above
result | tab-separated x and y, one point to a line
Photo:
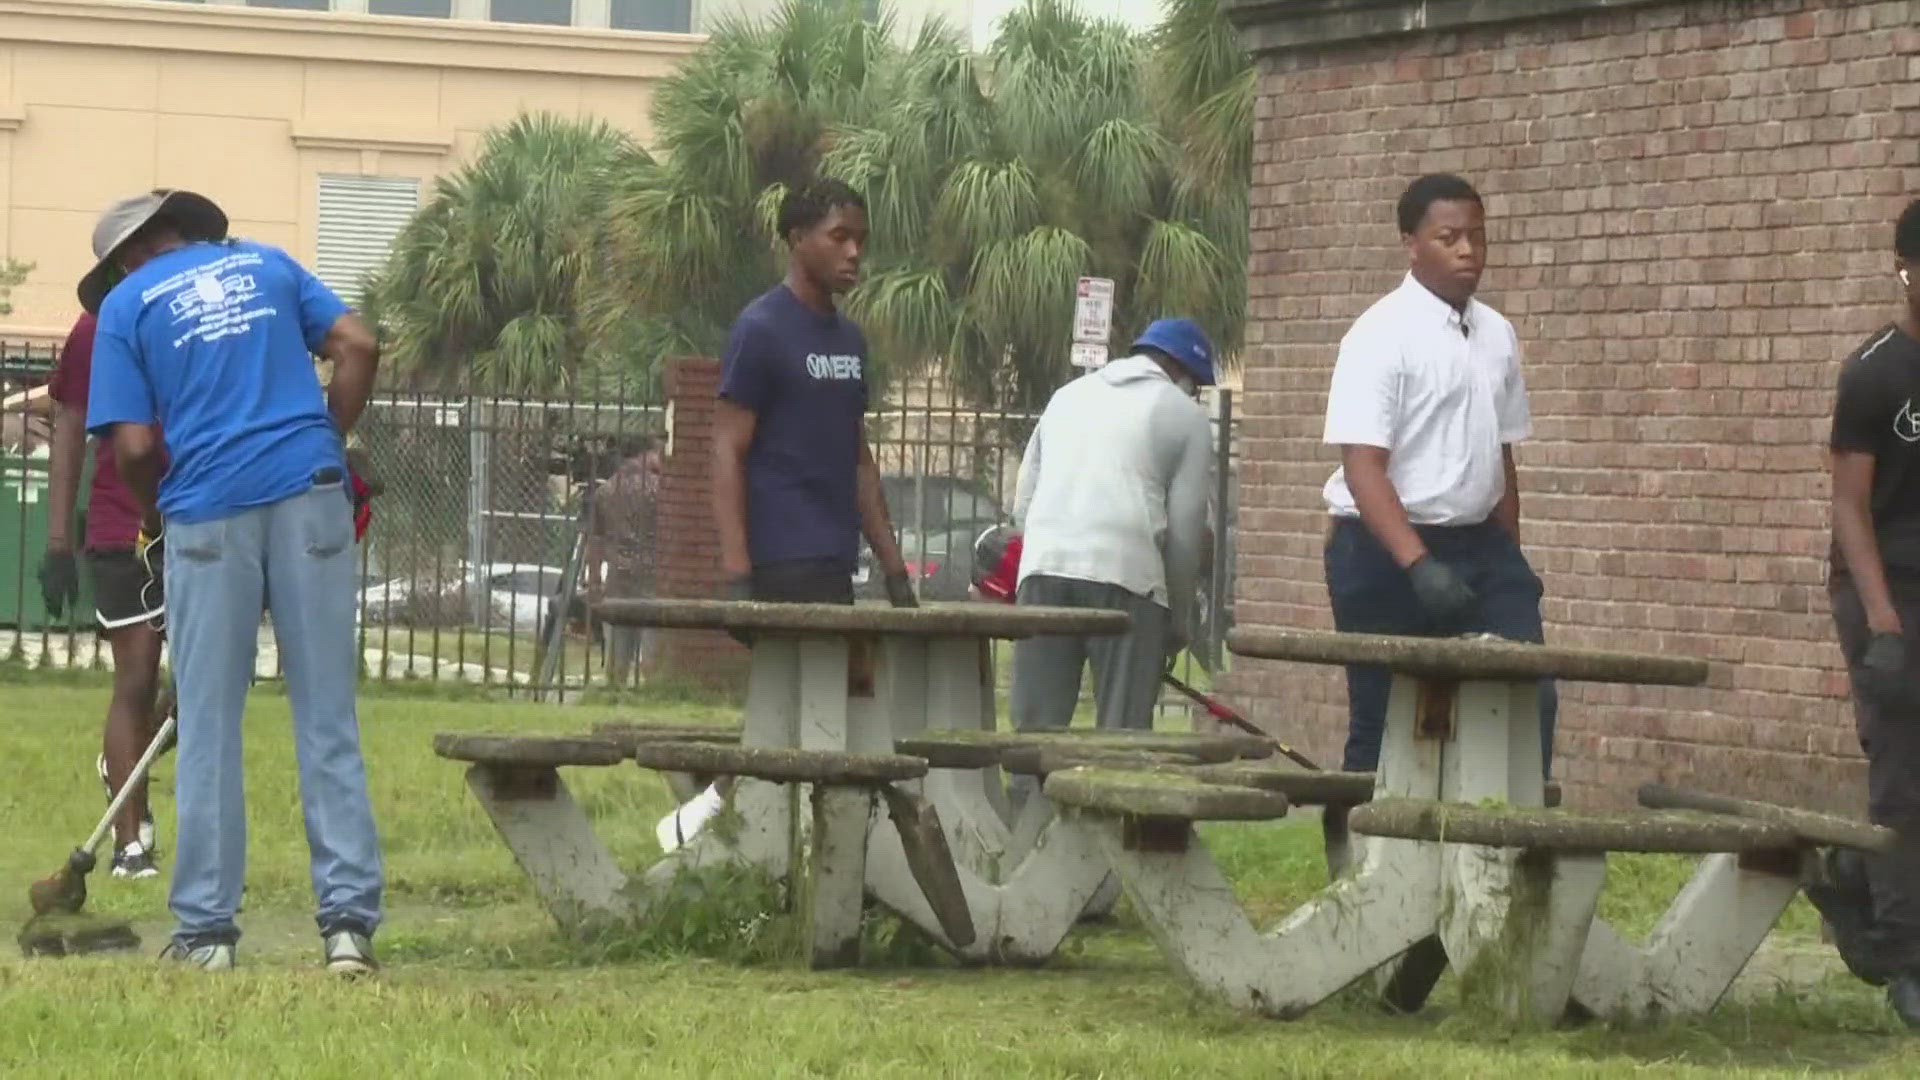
1126	668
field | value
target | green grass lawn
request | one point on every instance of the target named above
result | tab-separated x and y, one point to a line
479	984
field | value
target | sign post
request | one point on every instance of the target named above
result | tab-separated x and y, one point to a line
1092	322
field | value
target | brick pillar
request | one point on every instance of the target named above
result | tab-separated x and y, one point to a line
689	564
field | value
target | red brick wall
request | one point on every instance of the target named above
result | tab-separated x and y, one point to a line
1691	210
689	549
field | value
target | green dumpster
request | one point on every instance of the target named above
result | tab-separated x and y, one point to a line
24	500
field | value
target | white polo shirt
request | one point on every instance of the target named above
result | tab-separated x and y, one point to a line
1441	401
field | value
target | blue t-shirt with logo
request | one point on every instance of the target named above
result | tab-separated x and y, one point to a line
803	374
214	342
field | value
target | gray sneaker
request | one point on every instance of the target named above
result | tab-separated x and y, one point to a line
214	957
349	952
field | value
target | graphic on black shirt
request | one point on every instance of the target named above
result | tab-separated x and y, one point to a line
1875	412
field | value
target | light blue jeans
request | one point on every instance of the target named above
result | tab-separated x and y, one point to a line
296	557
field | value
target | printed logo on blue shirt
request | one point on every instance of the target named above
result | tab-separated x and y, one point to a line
838	366
213	299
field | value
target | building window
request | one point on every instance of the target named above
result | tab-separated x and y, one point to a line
544	12
359	218
660	16
294	5
418	9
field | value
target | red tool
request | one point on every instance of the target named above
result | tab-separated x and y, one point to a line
361	490
1219	711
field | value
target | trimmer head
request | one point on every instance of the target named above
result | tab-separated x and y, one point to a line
66	890
67	934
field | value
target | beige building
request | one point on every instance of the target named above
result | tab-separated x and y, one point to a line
316	131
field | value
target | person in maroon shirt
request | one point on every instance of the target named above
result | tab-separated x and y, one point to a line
128	602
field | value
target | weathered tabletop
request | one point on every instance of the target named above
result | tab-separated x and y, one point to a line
1485	659
929	620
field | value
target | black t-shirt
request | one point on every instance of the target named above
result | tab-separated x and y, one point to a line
1877	411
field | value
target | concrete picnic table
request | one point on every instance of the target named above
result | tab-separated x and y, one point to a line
856	679
1462	728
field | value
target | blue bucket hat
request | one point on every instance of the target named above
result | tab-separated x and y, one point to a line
1185	342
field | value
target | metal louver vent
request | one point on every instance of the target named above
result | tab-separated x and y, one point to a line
359	218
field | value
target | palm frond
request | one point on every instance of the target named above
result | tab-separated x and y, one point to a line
909	316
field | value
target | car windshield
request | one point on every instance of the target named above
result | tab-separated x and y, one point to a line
934	504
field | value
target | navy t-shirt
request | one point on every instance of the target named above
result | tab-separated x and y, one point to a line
803	375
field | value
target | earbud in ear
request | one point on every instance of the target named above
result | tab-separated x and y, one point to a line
1903	277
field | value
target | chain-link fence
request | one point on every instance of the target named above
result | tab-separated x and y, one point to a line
499	518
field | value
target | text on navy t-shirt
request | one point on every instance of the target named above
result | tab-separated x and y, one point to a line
215	343
803	375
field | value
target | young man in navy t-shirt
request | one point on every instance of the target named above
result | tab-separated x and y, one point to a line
212	340
794	481
795	484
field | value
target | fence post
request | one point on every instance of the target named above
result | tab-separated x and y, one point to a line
478	488
1222	522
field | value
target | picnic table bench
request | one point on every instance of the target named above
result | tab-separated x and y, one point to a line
517	782
853	680
1462	729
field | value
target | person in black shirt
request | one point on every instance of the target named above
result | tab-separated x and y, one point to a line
1875	588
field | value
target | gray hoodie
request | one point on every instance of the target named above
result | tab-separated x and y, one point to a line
1114	485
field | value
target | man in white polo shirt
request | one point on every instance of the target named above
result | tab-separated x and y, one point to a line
1426	404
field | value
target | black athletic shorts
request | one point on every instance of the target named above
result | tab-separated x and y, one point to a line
123	594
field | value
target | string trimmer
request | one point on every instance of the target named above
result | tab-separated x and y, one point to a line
57	926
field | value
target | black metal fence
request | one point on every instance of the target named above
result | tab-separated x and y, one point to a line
488	537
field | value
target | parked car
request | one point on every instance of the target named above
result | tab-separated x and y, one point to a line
519	596
937	519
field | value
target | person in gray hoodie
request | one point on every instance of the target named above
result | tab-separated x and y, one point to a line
1112	504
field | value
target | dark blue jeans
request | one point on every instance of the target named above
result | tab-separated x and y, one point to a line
1371	594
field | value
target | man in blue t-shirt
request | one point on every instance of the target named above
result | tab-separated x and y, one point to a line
212	340
795	484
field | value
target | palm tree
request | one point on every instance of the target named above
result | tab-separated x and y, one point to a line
484	287
1204	89
1053	165
992	184
483	295
688	236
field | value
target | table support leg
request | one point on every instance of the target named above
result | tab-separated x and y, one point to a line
1353	927
1699	948
1516	925
1020	921
837	871
572	872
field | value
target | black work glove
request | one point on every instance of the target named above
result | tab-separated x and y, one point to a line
59	581
1446	599
900	591
1883	667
